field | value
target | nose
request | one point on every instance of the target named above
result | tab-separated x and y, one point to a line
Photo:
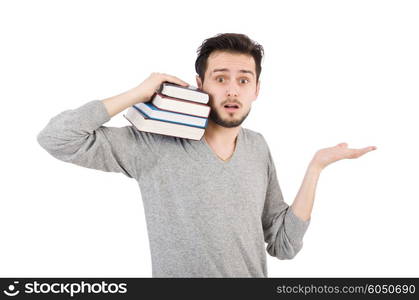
232	90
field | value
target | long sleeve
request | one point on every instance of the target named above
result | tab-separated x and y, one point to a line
283	230
77	136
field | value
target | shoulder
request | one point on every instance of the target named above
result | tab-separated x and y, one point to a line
149	140
255	138
259	144
143	136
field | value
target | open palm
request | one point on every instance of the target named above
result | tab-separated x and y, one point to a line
326	156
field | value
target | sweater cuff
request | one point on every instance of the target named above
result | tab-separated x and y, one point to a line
294	226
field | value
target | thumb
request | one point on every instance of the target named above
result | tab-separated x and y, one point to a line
343	145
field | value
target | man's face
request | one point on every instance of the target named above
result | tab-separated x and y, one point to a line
230	80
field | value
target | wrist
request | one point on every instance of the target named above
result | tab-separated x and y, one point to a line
137	95
315	166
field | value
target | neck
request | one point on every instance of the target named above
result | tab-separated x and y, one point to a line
218	135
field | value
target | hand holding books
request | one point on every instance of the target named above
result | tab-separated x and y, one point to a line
139	94
153	82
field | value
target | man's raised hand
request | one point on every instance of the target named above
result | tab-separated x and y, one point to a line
326	156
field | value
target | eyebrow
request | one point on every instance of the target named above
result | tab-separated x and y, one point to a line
227	70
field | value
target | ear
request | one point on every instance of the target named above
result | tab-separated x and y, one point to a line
257	89
198	82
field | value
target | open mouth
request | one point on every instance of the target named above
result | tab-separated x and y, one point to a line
231	107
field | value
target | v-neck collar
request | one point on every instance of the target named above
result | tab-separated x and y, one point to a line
213	156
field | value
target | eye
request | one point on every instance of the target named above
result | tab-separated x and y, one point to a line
218	79
244	80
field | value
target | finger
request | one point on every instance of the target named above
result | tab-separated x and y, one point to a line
368	149
355	153
176	80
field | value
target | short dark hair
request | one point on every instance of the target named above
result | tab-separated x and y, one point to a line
229	42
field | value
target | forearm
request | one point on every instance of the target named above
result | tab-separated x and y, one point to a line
303	202
118	103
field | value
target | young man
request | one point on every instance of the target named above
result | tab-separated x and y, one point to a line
211	204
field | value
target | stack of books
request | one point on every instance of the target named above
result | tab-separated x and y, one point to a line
173	110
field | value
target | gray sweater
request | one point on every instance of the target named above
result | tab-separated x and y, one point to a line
205	217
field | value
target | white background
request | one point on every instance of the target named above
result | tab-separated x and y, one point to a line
334	71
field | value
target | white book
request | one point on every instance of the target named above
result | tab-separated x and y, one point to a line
136	118
190	93
152	112
182	106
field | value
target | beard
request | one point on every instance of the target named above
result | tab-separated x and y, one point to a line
217	119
